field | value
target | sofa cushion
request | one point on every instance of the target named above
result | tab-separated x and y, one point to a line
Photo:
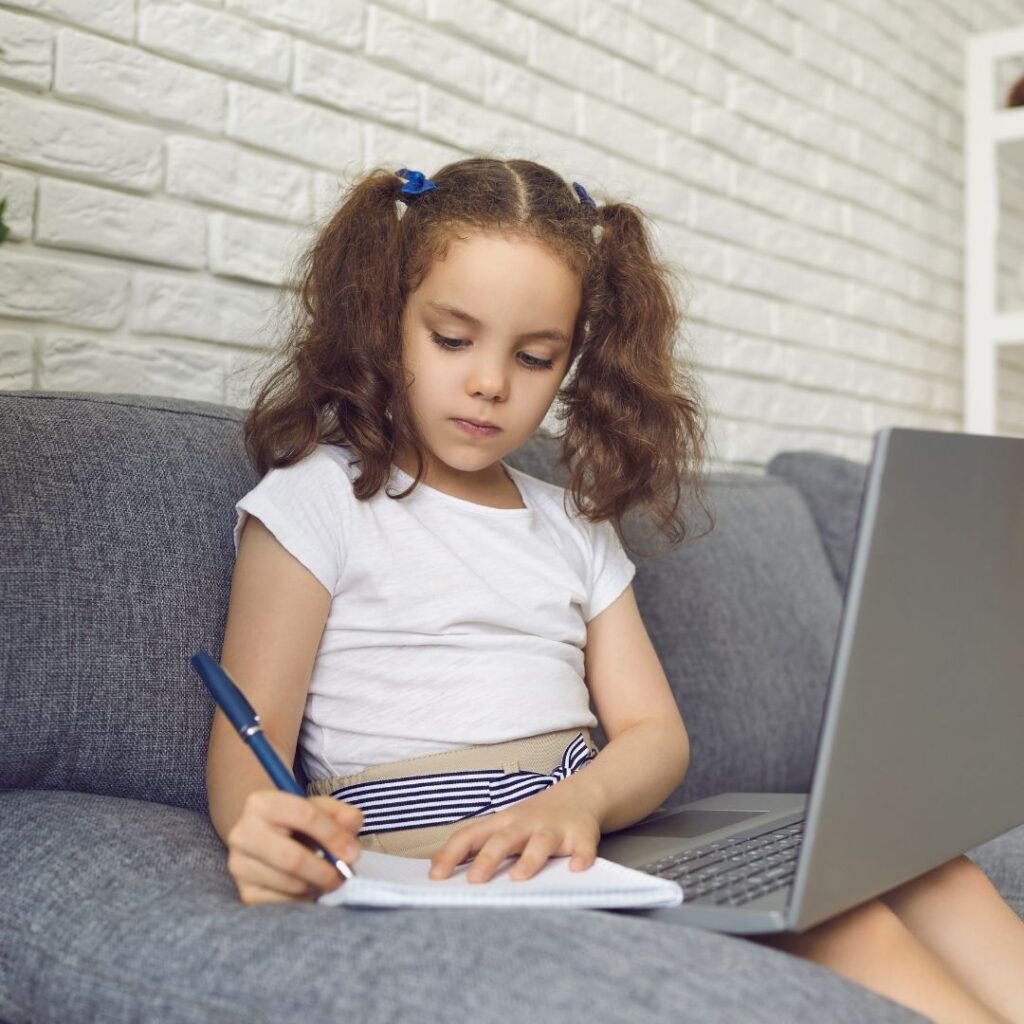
833	488
116	518
1002	859
118	910
744	619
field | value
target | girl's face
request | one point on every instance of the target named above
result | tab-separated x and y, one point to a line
466	341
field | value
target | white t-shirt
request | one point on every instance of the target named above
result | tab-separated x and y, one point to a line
451	624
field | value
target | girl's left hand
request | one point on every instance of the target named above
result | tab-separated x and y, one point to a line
553	823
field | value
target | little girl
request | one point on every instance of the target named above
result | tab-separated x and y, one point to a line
427	625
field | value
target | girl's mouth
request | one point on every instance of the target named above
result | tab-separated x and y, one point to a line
474	431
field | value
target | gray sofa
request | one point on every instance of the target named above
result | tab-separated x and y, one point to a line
116	513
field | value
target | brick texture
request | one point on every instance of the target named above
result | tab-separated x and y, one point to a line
165	163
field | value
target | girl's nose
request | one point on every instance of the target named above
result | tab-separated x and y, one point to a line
489	382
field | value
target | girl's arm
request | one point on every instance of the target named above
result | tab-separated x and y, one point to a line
648	750
276	617
645	759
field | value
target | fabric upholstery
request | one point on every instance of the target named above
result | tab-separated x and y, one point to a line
744	619
117	910
115	562
832	487
115	545
116	514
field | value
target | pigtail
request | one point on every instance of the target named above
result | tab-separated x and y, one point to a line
334	377
635	431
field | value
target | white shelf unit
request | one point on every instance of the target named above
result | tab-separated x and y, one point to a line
990	133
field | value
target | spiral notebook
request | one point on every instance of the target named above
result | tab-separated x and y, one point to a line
384	880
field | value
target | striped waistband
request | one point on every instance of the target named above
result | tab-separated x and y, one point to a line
441	798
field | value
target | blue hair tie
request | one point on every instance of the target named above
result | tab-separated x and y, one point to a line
417	183
582	193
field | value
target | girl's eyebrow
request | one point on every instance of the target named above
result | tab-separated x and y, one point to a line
550	333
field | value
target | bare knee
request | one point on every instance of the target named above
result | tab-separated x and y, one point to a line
845	942
963	873
960	875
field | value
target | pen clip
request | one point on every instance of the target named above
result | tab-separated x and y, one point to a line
240	713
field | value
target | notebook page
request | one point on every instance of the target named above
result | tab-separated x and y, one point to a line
384	880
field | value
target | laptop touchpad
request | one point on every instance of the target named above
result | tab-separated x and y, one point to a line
687	824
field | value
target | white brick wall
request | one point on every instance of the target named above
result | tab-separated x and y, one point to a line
164	162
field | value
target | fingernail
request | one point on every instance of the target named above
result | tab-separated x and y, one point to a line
351	851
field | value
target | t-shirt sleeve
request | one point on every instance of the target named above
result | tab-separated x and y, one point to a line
611	571
305	506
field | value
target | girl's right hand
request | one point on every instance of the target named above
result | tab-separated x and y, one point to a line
269	855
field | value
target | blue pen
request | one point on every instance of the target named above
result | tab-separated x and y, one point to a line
242	716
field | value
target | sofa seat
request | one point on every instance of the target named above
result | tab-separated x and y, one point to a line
114	906
116	560
1002	859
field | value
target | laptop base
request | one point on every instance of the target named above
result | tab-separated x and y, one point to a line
697	824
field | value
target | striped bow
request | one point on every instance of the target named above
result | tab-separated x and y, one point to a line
441	798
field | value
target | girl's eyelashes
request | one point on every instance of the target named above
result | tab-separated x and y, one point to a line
454	344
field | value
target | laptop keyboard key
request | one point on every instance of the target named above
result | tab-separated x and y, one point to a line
736	867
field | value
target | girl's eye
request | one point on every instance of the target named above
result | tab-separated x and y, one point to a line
453	345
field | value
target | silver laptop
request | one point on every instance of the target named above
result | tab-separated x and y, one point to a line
920	753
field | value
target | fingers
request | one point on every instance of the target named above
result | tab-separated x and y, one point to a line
346	815
535	846
459	846
535	854
287	864
261	882
271	847
495	850
495	845
583	858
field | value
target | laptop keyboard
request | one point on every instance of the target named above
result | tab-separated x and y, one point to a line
736	870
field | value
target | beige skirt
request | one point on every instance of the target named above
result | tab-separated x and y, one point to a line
400	799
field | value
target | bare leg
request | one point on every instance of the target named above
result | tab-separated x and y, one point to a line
871	946
959	915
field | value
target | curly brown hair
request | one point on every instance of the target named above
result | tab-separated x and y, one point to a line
635	425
